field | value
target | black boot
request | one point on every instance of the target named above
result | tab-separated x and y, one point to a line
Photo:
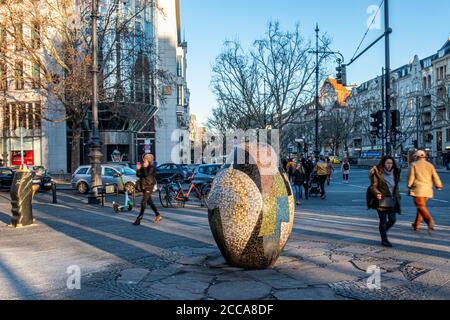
138	221
386	243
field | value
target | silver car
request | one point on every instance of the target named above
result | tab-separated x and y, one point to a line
111	175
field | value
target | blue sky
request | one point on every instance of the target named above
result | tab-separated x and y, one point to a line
420	27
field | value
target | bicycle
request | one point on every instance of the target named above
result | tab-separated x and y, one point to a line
171	193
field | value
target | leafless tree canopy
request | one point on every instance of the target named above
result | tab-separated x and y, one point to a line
268	85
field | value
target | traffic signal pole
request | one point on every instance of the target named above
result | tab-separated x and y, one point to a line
387	81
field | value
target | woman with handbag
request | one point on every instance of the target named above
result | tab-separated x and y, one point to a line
147	182
384	185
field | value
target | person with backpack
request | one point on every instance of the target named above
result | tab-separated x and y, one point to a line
290	169
384	195
345	171
421	179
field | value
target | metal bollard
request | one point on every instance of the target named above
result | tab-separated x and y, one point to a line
55	200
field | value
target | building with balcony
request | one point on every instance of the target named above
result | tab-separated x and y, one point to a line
420	92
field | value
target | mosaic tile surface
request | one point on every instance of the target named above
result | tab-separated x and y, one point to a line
251	214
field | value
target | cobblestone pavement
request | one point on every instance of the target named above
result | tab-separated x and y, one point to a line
327	257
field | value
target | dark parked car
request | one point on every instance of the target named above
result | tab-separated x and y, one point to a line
168	170
6	177
206	173
43	179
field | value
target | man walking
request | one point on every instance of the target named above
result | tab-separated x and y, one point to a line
422	177
322	173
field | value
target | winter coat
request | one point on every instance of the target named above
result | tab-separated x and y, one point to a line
378	185
422	176
321	168
147	178
298	177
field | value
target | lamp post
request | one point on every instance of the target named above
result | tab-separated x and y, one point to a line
95	153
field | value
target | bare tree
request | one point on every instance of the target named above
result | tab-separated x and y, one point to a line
57	48
268	86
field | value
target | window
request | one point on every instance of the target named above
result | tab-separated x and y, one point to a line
36	76
179	66
18	35
19	75
35	35
180	95
109	172
3	77
3	34
82	170
447	135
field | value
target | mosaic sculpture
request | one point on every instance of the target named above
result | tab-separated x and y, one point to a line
251	212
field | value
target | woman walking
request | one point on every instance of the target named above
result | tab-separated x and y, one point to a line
298	181
147	179
384	185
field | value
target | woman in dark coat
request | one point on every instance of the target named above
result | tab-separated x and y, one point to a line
384	185
147	179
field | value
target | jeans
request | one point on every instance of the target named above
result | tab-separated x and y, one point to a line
322	181
147	199
422	212
297	192
388	218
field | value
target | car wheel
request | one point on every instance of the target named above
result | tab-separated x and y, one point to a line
129	188
82	187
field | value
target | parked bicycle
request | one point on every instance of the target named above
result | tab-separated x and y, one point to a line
172	193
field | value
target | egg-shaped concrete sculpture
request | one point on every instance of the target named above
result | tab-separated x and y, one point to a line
251	210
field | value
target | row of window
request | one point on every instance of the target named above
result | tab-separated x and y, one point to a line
19	76
25	115
17	35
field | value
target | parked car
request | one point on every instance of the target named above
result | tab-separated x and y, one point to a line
81	179
206	173
43	179
168	170
6	177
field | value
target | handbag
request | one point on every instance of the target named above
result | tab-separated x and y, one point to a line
387	202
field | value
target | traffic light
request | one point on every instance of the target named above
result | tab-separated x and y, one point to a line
395	120
377	123
339	75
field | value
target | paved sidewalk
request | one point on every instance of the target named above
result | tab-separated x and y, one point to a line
326	257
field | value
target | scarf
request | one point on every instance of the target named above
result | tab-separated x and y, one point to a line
390	180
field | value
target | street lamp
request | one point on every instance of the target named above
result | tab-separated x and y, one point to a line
95	145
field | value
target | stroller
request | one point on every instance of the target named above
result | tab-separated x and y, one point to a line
313	185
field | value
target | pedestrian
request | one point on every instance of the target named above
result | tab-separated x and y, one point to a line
298	182
345	171
422	176
321	169
284	163
330	170
447	164
290	168
384	186
147	181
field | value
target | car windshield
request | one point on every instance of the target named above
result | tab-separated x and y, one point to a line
127	171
